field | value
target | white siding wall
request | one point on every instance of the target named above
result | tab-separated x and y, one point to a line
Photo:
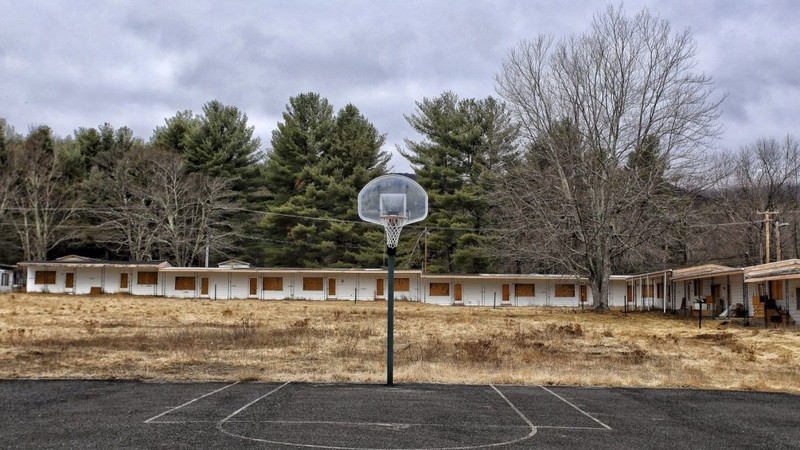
144	289
56	288
111	279
169	286
275	295
237	284
86	278
473	293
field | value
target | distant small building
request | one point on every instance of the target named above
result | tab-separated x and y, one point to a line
7	278
80	275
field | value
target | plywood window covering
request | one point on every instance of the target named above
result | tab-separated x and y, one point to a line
123	281
776	289
402	284
524	290
312	283
45	277
440	288
648	291
145	278
659	291
273	283
630	294
565	290
184	283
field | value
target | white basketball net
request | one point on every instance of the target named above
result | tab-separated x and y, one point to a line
393	226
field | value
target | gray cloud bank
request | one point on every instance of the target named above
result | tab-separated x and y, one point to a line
134	63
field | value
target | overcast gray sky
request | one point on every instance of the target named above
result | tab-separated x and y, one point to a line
71	64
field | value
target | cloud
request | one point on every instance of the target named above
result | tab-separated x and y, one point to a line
135	63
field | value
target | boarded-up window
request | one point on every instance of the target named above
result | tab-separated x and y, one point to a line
659	291
184	283
273	283
440	288
524	290
647	290
312	284
630	293
776	289
147	278
45	277
565	290
402	284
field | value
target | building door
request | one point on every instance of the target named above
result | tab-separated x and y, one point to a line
253	286
584	294
123	281
203	286
70	282
458	292
379	288
506	292
331	287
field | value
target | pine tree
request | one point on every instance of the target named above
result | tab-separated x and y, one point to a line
464	139
176	134
317	165
223	146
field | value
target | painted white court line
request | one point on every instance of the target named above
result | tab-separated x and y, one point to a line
221	428
580	410
150	420
251	403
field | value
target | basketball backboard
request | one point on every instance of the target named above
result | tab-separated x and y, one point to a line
392	195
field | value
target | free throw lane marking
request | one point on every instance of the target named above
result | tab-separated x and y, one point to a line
221	428
150	420
579	410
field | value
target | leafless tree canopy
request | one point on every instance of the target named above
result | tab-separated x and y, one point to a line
149	205
615	121
761	176
39	203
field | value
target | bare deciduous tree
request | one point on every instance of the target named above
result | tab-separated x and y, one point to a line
40	204
762	176
149	205
189	209
614	120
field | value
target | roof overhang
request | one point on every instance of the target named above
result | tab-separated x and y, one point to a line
779	270
704	271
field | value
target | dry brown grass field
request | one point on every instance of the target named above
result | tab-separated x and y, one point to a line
126	337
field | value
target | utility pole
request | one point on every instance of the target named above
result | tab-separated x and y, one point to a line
768	222
778	227
425	257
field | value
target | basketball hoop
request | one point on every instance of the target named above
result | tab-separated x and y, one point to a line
392	201
393	226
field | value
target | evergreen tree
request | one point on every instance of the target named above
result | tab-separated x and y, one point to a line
317	165
222	145
176	134
464	140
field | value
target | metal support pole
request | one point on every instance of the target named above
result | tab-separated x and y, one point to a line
390	319
700	311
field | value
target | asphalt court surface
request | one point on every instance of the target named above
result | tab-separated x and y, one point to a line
127	414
